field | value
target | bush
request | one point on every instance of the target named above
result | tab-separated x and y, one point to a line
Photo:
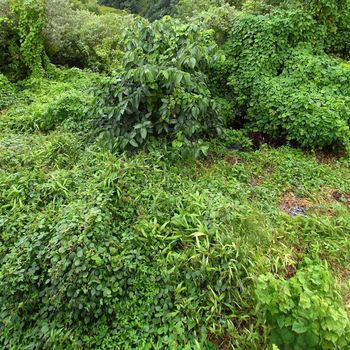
304	312
188	8
335	15
215	17
90	5
267	6
234	140
308	103
82	38
161	89
4	33
283	83
258	44
68	104
152	10
11	62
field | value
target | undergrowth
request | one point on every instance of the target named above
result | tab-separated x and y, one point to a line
122	251
142	204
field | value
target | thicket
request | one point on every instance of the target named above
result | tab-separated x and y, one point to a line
258	50
156	9
51	106
152	9
283	82
314	112
101	249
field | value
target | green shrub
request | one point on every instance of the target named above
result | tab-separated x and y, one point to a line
90	5
66	105
47	114
81	38
258	44
308	103
161	90
282	81
304	312
266	6
283	109
235	140
335	15
153	10
4	33
305	65
188	8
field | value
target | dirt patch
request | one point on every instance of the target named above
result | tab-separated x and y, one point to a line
327	200
222	342
327	157
256	181
298	206
233	160
291	271
293	205
340	196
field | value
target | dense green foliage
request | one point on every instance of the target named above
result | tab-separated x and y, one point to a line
115	252
284	82
203	237
156	9
21	26
313	113
82	38
305	311
161	88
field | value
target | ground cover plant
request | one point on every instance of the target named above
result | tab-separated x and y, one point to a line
174	183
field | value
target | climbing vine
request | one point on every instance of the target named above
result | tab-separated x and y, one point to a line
28	18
